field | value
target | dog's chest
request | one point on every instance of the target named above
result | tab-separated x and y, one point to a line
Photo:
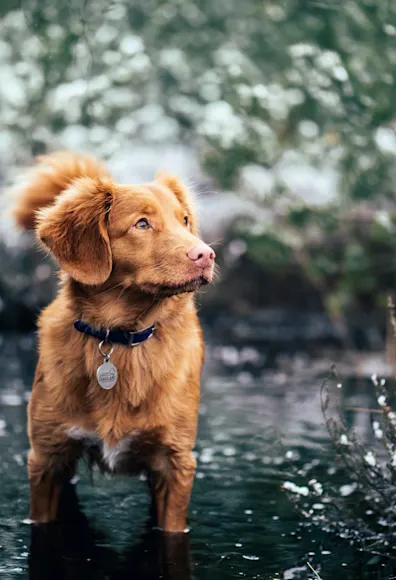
127	455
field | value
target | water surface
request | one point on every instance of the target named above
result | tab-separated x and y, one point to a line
242	523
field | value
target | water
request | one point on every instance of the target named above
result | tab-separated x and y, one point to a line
243	525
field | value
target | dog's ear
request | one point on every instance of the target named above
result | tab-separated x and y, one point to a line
75	230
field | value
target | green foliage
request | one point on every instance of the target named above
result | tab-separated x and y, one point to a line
250	78
299	89
271	251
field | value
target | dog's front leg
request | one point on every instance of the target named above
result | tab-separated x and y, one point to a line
46	480
173	502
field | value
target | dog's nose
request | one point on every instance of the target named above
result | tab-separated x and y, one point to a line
202	255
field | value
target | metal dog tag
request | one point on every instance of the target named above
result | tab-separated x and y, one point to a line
107	375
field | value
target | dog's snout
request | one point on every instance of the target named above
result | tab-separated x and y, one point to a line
202	255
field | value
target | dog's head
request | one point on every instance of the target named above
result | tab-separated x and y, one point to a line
144	236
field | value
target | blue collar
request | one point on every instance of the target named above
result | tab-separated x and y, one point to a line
120	336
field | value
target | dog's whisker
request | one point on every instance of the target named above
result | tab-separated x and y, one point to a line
199	185
121	293
110	289
214	243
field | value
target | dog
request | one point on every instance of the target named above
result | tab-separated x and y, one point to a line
120	347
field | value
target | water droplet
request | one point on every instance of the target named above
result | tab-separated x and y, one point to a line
229	451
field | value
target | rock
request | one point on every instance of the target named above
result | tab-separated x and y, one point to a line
27	279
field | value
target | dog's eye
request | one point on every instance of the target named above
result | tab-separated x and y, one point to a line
186	221
142	224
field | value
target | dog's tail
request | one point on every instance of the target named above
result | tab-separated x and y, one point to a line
53	174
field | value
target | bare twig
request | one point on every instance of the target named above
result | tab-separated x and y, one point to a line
363	409
314	571
391	334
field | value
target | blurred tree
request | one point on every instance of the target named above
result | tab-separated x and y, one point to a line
289	101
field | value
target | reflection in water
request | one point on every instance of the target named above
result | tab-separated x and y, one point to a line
73	549
260	425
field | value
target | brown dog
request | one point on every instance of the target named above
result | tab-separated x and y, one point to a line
130	259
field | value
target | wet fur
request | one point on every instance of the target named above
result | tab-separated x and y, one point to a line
112	276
